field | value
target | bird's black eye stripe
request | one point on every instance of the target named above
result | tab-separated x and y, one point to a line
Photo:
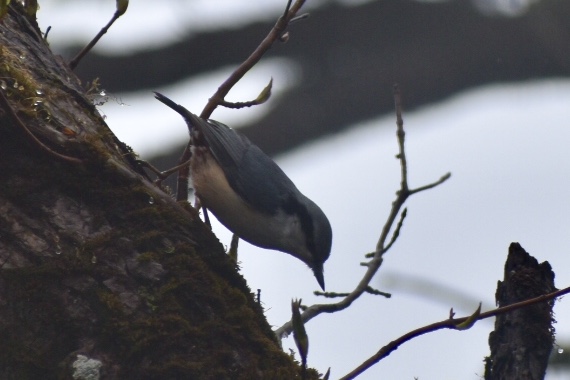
293	207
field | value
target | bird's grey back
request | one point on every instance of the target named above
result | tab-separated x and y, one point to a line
250	172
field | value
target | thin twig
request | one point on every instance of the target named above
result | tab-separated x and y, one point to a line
444	178
304	16
239	105
446	324
263	96
376	292
162	175
47	32
6	105
75	61
397	230
374	264
401	139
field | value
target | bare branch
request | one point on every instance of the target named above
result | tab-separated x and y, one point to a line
397	230
376	292
401	140
219	97
330	294
162	175
374	264
446	324
368	289
261	98
121	9
444	178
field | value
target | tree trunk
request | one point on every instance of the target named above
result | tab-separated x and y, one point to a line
102	273
523	339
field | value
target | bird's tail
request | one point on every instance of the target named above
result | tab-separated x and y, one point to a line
192	120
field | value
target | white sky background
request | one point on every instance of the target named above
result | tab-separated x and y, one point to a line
506	146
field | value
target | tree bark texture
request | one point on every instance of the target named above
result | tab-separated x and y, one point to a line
101	273
523	339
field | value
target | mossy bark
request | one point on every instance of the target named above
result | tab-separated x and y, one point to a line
100	270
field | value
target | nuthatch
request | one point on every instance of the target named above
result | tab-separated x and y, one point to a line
251	195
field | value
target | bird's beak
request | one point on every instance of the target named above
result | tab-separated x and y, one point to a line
318	271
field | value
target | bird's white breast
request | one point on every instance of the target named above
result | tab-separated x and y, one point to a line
264	230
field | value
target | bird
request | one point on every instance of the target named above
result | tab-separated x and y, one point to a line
251	195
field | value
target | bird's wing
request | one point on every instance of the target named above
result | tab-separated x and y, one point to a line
250	172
